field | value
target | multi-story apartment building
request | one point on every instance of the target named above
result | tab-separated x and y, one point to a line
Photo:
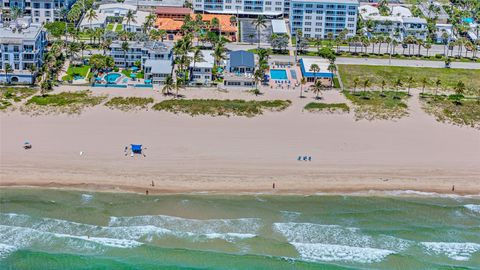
21	46
140	51
243	8
318	18
40	10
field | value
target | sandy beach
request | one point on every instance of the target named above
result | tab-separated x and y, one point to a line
238	154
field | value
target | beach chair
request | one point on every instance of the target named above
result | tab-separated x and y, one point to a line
309	158
305	158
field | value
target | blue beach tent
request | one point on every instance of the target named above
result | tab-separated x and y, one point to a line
137	148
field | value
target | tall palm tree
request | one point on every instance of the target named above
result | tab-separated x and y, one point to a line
168	85
259	23
410	82
178	85
106	45
459	88
32	68
125	48
197	56
314	68
438	82
149	22
8	69
366	84
258	76
129	17
424	84
91	15
215	24
303	81
317	88
355	84
332	68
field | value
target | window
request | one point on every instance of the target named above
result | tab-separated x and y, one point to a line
308	29
308	23
36	5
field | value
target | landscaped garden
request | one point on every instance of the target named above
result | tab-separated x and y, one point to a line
128	72
447	77
77	72
373	105
227	108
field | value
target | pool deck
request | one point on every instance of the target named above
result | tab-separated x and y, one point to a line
284	86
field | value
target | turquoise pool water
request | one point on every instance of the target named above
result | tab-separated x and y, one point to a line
112	77
278	74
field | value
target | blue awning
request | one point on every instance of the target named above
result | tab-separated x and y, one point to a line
134	68
148	81
136	148
132	75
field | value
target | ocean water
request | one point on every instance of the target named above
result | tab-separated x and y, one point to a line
58	229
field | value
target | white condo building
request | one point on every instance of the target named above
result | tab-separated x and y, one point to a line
41	11
270	8
317	18
21	46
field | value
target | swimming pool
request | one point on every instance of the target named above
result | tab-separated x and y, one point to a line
278	74
112	77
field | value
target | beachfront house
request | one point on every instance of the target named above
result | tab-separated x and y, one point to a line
239	69
417	27
201	71
140	51
157	70
40	11
22	45
313	74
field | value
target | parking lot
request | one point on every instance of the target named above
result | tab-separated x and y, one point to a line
250	34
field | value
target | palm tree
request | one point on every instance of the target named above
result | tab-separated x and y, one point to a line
383	84
438	82
8	69
424	84
215	24
168	85
91	15
178	85
82	47
197	56
106	45
149	22
397	84
317	88
257	76
32	68
428	46
459	88
259	23
355	84
314	68
303	81
129	17
332	68
410	81
366	84
125	49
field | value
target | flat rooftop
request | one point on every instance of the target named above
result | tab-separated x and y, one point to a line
9	35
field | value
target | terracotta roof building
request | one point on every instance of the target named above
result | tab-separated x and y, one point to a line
178	13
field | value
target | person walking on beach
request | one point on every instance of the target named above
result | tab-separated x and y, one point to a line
273	186
146	192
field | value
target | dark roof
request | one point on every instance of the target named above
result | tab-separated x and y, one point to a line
173	10
242	59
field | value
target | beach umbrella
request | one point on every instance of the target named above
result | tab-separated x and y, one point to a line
133	76
147	81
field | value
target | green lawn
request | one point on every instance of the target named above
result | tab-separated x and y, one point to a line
330	107
127	73
373	105
215	107
448	77
76	70
110	26
119	28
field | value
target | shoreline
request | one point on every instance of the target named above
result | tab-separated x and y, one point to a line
164	192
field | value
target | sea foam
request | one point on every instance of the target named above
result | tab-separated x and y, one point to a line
329	253
5	250
473	207
455	251
320	242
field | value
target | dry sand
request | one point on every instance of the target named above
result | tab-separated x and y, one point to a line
237	154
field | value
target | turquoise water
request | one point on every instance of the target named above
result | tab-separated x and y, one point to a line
278	74
56	229
112	77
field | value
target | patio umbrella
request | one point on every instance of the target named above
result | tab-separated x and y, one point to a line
133	76
148	81
134	68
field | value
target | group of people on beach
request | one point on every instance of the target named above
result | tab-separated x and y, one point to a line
304	158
